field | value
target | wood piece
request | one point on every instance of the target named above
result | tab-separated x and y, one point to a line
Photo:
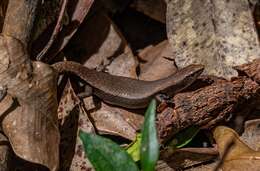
206	106
252	70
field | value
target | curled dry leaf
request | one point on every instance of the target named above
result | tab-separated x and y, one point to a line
31	123
235	153
218	34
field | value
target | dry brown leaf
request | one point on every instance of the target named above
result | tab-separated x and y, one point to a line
235	153
218	34
158	62
31	123
117	121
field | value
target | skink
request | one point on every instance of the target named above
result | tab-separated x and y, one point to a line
127	92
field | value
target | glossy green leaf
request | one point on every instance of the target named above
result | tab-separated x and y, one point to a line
134	148
149	142
105	155
184	137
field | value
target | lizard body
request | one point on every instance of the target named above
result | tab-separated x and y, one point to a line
128	92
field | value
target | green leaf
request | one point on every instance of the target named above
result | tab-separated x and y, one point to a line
105	155
149	142
184	137
134	148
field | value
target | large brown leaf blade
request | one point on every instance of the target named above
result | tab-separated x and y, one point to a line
218	34
32	127
30	123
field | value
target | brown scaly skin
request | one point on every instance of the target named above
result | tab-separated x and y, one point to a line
127	92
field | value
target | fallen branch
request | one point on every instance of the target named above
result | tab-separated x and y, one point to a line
209	105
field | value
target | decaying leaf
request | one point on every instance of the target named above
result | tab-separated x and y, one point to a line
31	123
236	155
217	33
116	121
